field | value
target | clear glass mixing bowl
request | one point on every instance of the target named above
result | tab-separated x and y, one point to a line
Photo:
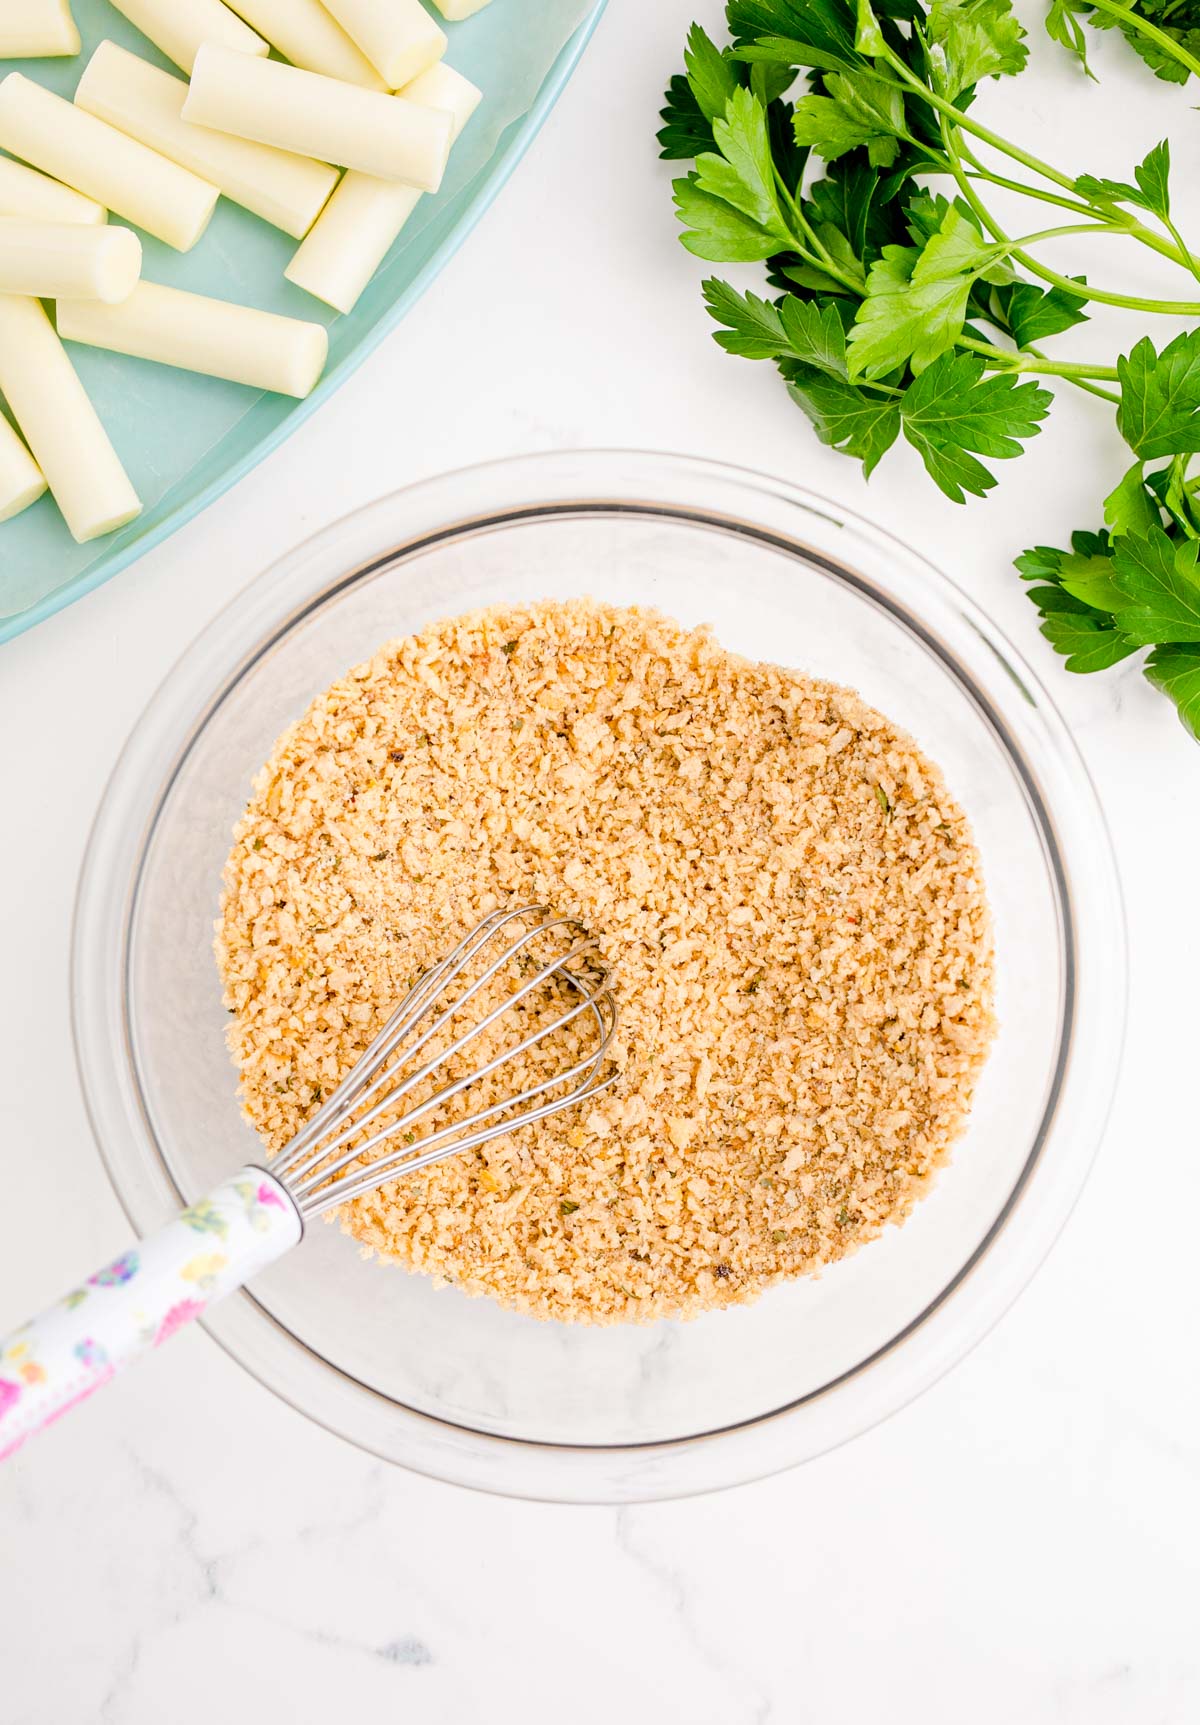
456	1387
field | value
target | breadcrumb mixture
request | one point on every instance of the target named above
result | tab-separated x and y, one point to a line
788	897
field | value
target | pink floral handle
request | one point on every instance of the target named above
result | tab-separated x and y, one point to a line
57	1360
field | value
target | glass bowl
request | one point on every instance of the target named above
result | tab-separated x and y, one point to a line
456	1387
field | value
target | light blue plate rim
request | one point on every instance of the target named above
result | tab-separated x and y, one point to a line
508	154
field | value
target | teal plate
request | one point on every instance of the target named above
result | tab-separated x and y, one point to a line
185	439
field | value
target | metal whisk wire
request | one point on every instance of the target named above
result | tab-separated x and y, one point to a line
323	1164
258	1214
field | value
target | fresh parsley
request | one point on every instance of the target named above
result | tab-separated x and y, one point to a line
1136	582
1166	33
973	39
1160	397
816	139
833	143
952	409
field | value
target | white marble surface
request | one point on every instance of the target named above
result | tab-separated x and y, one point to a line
1022	1543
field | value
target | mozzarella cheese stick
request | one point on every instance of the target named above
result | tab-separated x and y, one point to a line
178	27
96	159
165	324
33	29
453	10
359	224
51	260
60	424
33	198
317	116
147	104
398	37
21	479
305	34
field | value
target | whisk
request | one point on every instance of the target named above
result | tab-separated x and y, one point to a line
365	1134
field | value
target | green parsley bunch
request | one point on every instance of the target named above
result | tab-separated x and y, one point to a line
897	310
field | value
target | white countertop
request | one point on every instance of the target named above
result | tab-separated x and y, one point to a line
1020	1545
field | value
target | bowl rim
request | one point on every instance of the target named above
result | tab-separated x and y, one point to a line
1023	719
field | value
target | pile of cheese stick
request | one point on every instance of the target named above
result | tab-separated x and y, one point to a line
359	86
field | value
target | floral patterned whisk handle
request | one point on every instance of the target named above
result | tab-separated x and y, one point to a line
56	1360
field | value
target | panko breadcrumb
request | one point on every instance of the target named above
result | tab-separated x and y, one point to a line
787	895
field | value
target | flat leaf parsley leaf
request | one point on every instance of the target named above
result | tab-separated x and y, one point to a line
1160	397
1160	584
1176	672
853	420
1110	596
1088	639
1033	313
716	231
916	301
858	108
740	170
757	329
818	33
1130	507
973	39
1152	191
952	409
711	78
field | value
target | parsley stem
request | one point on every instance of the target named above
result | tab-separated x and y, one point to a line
1192	263
948	111
1178	253
1094	389
1026	191
1169	307
1083	383
1037	363
807	242
1131	20
1075	228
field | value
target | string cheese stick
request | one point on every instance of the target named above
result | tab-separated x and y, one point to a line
118	172
165	324
32	197
60	424
21	479
362	220
147	103
317	116
305	34
32	29
178	27
51	260
397	36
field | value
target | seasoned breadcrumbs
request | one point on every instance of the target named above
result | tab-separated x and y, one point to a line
788	897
